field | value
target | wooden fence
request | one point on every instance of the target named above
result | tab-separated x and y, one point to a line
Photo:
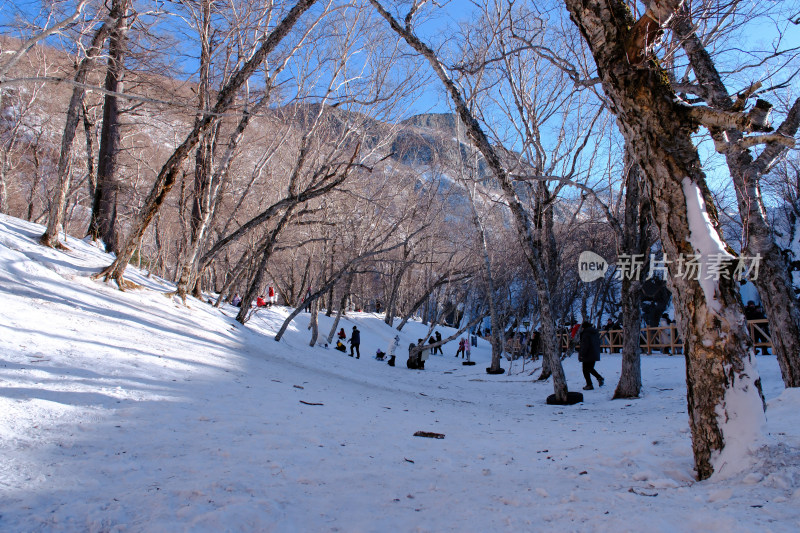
665	339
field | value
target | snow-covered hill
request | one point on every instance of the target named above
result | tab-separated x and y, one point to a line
130	412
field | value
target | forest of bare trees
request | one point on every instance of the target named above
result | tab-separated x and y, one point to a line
234	146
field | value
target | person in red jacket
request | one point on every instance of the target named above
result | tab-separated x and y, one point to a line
260	302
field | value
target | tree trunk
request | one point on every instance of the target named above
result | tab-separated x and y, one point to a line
91	172
633	241
104	206
396	282
497	330
313	324
724	392
63	170
774	281
257	283
3	166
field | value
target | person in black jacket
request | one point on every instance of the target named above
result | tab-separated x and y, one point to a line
355	342
589	354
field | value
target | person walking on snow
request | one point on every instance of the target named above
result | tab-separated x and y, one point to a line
355	342
589	354
438	339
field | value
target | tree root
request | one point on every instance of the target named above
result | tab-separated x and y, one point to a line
180	294
55	244
109	273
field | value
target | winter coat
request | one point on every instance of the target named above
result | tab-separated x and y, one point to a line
355	337
393	345
666	334
590	345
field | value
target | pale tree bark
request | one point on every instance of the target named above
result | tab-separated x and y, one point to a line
533	251
498	331
46	32
774	282
89	132
723	387
342	303
169	172
63	170
313	323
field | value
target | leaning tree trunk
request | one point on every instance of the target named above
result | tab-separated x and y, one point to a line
723	387
774	281
634	242
257	283
169	172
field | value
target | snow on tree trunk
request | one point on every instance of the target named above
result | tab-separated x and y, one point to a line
724	394
774	281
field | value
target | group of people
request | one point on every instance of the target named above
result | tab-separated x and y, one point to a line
418	352
586	333
355	342
261	301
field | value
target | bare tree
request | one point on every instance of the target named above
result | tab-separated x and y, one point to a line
170	170
93	51
58	25
104	205
522	220
658	127
746	169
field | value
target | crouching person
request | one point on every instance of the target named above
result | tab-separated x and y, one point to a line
413	357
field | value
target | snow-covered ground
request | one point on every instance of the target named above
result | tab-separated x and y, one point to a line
130	412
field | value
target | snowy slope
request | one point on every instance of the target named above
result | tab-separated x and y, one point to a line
130	412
